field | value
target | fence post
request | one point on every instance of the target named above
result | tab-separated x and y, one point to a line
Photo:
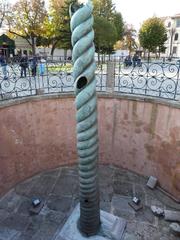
110	76
39	91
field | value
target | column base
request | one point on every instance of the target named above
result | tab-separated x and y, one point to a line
112	228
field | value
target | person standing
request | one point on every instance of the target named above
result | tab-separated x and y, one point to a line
24	65
33	65
42	66
4	66
135	57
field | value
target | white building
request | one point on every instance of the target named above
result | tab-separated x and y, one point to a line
22	45
173	34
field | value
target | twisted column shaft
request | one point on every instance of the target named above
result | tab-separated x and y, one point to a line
86	116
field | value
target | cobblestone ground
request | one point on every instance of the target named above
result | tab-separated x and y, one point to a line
59	191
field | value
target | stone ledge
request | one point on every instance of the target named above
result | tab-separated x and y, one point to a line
16	101
114	95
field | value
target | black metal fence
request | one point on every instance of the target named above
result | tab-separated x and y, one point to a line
54	75
155	79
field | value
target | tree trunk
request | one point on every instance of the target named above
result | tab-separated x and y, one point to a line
148	55
99	55
65	54
33	49
33	46
98	58
53	47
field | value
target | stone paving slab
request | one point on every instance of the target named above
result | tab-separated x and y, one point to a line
58	188
66	185
43	186
3	215
34	225
24	188
144	230
16	221
106	193
56	217
10	201
123	188
52	173
127	176
46	231
8	233
24	206
121	208
106	176
145	215
73	171
62	203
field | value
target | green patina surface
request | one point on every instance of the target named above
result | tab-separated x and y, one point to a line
86	116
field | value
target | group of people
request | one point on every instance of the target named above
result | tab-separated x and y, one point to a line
31	63
26	63
132	61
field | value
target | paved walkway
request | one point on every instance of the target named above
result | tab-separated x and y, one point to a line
59	190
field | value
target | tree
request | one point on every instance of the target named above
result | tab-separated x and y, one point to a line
58	25
129	41
4	9
119	25
152	35
105	35
26	20
104	8
65	31
109	26
53	24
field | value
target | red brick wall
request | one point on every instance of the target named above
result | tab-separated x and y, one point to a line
140	136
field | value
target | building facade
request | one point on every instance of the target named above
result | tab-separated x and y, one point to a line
7	46
173	34
22	46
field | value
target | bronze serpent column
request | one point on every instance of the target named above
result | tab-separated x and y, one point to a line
86	116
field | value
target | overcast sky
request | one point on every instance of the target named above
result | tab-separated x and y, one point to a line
136	11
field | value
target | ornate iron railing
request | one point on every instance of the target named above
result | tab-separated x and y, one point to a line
56	78
155	79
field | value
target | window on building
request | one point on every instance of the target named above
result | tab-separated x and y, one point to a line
178	22
174	50
169	24
176	37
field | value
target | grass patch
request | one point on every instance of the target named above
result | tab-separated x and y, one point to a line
58	68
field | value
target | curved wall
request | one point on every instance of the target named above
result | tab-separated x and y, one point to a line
39	134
